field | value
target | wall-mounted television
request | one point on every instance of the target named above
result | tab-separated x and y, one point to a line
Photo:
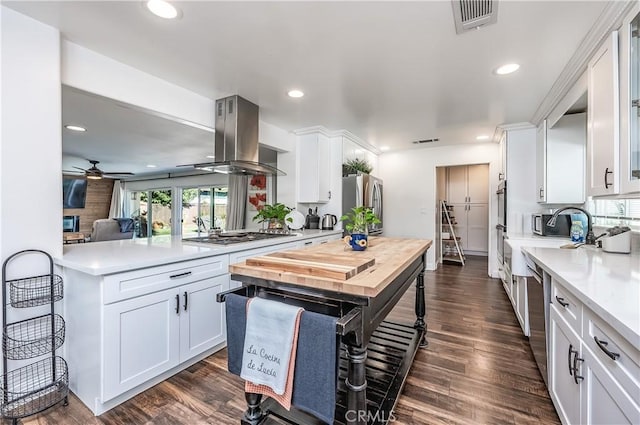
74	192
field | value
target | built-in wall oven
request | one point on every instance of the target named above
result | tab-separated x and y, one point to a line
501	227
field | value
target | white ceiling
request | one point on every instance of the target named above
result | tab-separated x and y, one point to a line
389	72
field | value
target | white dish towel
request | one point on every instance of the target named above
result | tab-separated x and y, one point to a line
267	343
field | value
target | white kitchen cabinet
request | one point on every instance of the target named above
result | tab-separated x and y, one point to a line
141	341
603	154
630	102
564	345
502	173
604	401
319	241
471	225
148	335
202	320
314	172
516	289
586	384
468	184
560	160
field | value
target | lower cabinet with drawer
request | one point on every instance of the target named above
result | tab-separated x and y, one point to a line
593	371
129	331
148	335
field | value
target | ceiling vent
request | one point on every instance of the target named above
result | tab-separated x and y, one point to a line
419	142
473	14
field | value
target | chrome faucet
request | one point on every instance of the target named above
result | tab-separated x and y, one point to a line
590	239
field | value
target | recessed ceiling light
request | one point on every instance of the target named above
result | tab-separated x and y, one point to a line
384	148
483	137
162	9
507	69
211	156
151	166
295	93
75	128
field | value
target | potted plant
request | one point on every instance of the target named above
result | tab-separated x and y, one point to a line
274	216
356	166
357	223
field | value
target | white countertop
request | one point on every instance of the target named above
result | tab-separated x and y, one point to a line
609	284
102	258
517	241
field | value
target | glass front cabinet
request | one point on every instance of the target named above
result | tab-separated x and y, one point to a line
630	103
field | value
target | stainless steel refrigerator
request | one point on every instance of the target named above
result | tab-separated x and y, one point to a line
363	189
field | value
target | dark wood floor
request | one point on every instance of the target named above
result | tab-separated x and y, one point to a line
477	369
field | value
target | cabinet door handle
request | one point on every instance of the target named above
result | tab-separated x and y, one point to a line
176	276
541	193
562	302
500	176
571	352
177	303
186	300
577	378
606	180
603	346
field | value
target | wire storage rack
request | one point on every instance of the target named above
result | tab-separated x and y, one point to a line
35	387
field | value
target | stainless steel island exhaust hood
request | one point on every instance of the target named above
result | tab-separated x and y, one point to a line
236	140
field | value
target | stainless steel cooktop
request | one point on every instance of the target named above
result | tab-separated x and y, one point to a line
229	238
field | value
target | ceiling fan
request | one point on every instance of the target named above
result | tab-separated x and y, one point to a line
95	173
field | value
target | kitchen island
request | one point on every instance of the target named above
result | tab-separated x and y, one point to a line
138	311
361	303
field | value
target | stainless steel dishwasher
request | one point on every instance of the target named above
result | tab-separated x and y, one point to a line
538	299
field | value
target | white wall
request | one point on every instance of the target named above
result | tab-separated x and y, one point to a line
410	203
30	149
30	141
90	71
275	137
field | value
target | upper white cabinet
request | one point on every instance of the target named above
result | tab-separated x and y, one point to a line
629	99
314	168
603	153
468	184
560	159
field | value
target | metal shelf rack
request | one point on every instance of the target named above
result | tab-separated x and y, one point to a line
38	386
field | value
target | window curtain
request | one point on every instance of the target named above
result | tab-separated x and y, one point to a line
117	197
237	201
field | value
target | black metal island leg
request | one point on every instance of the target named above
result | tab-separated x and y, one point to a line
421	309
356	384
253	415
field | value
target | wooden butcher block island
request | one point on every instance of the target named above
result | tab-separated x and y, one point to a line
359	288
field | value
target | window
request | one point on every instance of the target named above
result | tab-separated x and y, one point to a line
151	219
203	208
616	212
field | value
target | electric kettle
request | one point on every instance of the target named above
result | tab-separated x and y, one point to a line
328	221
